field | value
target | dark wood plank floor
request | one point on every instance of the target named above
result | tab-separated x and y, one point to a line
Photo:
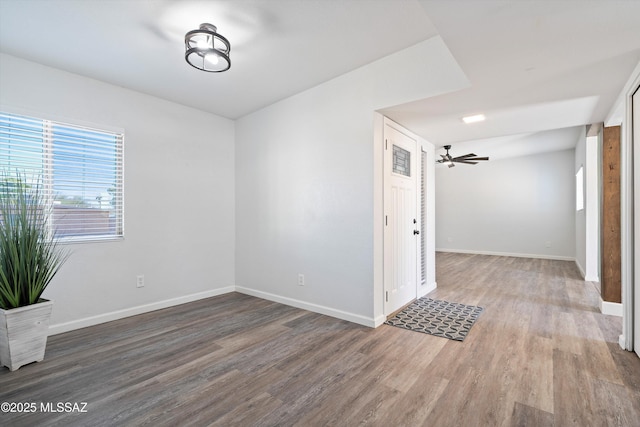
540	355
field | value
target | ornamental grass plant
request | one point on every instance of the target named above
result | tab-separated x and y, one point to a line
29	255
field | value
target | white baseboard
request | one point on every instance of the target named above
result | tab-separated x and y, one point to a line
611	308
379	321
120	314
351	317
622	342
509	254
582	273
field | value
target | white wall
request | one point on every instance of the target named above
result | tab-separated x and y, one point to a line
514	206
309	185
179	197
304	200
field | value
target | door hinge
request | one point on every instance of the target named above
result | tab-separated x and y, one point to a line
386	147
385	221
387	296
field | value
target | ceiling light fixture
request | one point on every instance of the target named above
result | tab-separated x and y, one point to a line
473	119
207	50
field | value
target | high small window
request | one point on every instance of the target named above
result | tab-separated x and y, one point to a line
80	168
579	189
401	161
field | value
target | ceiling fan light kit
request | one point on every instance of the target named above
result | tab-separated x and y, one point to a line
467	159
207	50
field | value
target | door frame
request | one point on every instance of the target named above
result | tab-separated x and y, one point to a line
630	190
378	217
387	235
635	141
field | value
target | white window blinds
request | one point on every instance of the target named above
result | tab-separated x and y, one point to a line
423	218
81	170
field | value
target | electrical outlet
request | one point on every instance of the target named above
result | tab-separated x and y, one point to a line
140	281
300	279
547	244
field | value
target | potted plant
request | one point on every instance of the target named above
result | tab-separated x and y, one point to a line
29	258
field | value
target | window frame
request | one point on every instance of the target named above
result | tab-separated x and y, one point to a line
47	171
580	189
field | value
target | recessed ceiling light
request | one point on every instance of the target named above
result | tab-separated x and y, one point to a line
473	119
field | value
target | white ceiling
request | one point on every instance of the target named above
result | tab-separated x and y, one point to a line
534	66
538	69
278	47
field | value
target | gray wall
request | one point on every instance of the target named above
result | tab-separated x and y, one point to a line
309	185
179	197
516	206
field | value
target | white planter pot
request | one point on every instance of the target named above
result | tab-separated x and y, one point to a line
23	334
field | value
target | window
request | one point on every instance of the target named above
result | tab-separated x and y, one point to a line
401	161
80	168
579	189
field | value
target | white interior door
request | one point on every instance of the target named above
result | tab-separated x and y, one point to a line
401	230
635	108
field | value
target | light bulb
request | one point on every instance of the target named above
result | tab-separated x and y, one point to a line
212	58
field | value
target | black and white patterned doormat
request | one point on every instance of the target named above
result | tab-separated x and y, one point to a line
440	318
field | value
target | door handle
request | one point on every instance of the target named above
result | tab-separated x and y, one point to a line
416	232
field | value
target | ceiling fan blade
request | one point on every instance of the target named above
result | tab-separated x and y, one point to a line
468	159
465	156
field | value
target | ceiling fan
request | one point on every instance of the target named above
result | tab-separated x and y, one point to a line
469	159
